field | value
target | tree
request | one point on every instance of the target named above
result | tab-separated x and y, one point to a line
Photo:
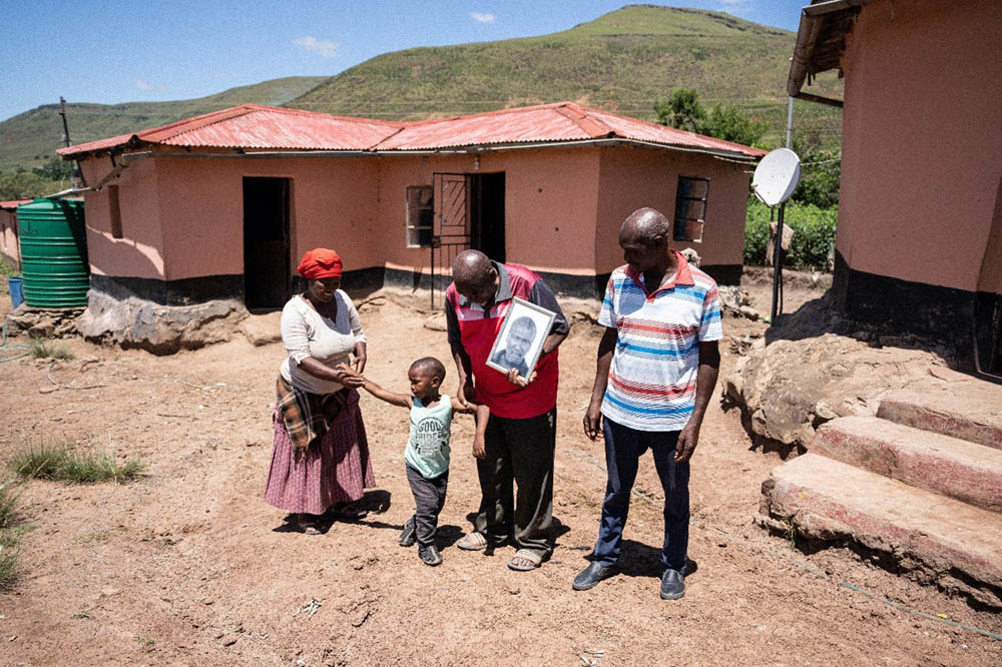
820	173
54	169
25	185
728	123
682	110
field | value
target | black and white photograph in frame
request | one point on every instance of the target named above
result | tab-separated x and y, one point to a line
520	341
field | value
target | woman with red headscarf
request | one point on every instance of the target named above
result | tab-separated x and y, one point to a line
321	457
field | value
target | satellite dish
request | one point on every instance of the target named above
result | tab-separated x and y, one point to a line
776	176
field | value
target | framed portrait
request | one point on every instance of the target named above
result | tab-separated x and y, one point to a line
520	340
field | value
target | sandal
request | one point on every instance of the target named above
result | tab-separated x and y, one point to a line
525	561
308	526
346	512
472	542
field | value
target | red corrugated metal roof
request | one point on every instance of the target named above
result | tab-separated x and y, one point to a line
14	203
548	123
257	127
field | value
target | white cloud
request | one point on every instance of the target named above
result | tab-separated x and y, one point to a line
322	47
146	85
481	17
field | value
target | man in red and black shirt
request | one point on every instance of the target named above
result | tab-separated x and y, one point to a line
521	431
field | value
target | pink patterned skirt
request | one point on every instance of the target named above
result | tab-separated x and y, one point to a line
335	467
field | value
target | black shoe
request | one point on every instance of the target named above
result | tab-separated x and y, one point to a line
430	555
689	567
672	585
591	575
408	536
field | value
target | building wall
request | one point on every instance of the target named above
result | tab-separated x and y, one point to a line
182	218
201	205
632	177
8	237
550	202
921	135
140	251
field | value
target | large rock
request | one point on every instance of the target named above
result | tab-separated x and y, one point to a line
137	323
790	387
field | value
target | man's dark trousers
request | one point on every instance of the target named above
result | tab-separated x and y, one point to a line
519	450
429	498
623	449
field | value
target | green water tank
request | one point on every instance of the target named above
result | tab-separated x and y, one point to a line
53	253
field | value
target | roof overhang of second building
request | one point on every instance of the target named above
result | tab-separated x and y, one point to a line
820	43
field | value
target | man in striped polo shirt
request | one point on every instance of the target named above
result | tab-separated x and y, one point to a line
657	366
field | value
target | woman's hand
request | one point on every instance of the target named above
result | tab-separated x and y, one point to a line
360	357
348	377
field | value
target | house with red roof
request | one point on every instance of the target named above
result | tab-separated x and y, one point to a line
223	205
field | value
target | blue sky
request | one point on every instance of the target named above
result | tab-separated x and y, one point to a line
111	51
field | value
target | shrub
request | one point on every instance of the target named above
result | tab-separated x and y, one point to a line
45	349
57	462
813	234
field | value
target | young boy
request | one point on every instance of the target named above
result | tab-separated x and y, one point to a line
427	451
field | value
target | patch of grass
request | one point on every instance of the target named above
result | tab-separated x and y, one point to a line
9	537
83	613
98	537
59	463
145	641
40	348
7	271
8	507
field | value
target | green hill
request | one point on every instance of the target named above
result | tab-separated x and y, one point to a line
621	61
28	139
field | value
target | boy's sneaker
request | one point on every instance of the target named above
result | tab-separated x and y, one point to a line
430	555
408	536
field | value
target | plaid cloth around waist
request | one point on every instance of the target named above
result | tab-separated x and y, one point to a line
309	416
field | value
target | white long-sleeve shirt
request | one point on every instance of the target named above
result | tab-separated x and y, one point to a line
307	333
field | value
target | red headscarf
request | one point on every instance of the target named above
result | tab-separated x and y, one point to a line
320	263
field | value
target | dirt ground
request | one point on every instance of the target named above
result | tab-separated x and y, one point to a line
188	566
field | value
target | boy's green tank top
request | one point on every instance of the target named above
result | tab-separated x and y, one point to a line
428	446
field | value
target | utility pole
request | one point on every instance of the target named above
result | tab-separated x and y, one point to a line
76	179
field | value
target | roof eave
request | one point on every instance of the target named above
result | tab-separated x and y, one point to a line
821	22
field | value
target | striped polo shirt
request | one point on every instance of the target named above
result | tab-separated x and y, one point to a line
652	379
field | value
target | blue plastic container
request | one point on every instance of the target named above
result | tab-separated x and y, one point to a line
16	288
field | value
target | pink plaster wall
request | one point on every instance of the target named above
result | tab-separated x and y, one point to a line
183	217
139	253
550	199
632	177
8	237
922	129
332	204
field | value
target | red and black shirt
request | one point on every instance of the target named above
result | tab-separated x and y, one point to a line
473	329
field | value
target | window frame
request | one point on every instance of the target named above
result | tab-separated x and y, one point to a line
682	225
416	229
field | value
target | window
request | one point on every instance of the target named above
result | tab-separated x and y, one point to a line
420	216
114	212
690	208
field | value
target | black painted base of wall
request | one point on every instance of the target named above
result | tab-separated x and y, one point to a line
183	292
199	290
961	319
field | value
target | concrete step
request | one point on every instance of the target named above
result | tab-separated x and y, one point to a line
938	463
957	545
969	411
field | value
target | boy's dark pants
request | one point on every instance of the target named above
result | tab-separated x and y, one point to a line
519	450
429	498
623	449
